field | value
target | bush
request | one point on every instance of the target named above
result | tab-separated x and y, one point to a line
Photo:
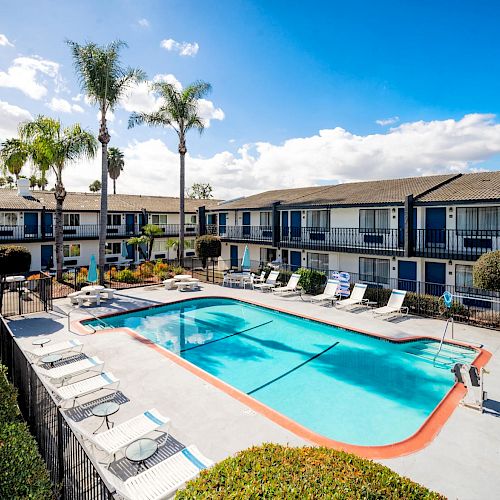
276	471
14	260
311	280
177	270
126	276
207	246
9	410
161	270
145	270
486	271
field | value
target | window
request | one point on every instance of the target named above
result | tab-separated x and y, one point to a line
463	276
159	245
374	270
267	255
72	250
113	248
114	219
317	261
190	219
8	219
373	220
318	219
159	219
71	219
265	218
478	218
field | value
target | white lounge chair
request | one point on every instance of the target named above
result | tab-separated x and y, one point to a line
259	279
59	348
164	479
62	373
270	283
394	306
356	298
290	287
120	436
72	392
329	293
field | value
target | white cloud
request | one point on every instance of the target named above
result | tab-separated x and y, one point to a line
208	111
63	106
10	117
143	23
29	75
77	98
387	121
4	41
182	48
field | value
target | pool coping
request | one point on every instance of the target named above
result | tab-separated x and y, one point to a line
417	441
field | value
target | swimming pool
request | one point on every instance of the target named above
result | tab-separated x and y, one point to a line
347	386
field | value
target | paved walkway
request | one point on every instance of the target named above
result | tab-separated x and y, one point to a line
462	462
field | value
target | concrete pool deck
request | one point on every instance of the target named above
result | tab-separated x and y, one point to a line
461	462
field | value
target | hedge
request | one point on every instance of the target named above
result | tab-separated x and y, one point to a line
22	470
276	471
486	271
311	280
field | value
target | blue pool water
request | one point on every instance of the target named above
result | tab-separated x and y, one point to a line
344	385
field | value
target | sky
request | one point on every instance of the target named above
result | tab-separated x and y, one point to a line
303	93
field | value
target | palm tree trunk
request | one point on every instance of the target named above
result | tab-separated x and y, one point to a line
114	186
60	195
182	187
104	140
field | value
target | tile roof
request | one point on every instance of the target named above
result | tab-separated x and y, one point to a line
10	200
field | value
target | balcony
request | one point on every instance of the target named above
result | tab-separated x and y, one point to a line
250	234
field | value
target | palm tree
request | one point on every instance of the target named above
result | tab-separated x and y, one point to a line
149	233
178	110
104	80
115	165
13	156
58	145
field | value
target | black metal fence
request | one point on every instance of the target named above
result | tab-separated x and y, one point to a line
72	471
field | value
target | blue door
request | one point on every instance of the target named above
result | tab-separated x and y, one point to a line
284	226
234	255
295	260
30	224
295	229
47	257
435	278
435	226
246	224
401	226
222	223
407	275
130	252
129	223
48	224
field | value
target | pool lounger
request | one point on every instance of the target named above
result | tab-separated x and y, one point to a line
394	305
164	479
62	373
113	440
356	298
72	392
270	283
329	293
290	287
60	347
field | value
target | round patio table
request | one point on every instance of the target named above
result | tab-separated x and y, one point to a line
92	288
51	359
41	342
105	410
182	277
139	451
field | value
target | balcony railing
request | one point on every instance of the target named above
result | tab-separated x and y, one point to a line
254	234
85	231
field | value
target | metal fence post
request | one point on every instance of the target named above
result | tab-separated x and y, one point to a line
60	451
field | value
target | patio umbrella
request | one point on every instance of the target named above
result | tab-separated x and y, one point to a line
92	274
124	250
245	261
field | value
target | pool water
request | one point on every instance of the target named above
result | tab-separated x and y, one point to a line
344	385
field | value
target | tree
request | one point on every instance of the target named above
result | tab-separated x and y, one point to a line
104	80
115	165
486	271
179	111
95	186
13	155
208	246
58	145
200	191
149	233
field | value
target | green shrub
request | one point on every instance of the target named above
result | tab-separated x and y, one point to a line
311	280
177	270
126	276
9	410
486	271
207	246
284	276
276	471
14	260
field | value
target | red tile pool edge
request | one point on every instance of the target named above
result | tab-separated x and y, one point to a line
424	435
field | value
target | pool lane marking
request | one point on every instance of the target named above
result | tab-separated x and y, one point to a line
293	369
226	337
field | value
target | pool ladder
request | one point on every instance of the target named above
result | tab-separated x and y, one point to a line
94	330
448	321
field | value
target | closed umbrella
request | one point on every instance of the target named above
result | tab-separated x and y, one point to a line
92	274
124	251
245	261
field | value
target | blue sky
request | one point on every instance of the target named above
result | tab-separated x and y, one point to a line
281	72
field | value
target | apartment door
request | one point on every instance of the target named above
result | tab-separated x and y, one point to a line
233	252
129	223
407	275
435	226
47	257
295	229
222	224
295	260
30	224
401	226
284	225
246	223
435	278
48	224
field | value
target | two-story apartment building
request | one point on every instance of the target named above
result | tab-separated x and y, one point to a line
27	218
428	229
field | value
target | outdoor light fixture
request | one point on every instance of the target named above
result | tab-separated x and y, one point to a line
450	262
